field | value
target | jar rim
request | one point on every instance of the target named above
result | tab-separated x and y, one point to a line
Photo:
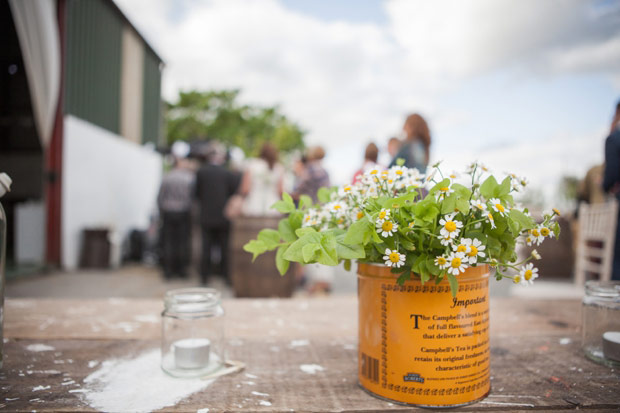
192	299
607	289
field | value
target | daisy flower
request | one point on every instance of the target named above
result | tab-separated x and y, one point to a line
529	273
474	249
537	237
518	279
393	258
457	263
491	220
496	204
536	255
477	204
529	240
545	232
449	226
397	171
345	190
383	215
446	241
441	262
454	175
444	192
461	246
337	208
386	228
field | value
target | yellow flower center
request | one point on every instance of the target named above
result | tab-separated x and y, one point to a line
394	256
480	206
387	226
557	212
374	172
399	172
444	189
473	251
490	216
544	232
382	214
517	279
360	215
452	176
347	188
307	219
411	224
456	262
461	248
527	275
500	207
441	261
535	232
450	226
337	207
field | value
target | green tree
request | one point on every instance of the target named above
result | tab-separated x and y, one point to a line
217	115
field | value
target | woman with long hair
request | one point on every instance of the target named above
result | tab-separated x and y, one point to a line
415	150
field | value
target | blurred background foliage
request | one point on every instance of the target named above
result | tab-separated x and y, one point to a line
216	114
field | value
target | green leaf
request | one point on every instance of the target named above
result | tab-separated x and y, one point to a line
400	161
405	276
295	219
426	210
255	247
439	185
524	221
286	205
270	237
281	263
349	251
461	191
309	252
324	195
400	201
327	252
305	202
432	268
504	188
295	253
448	204
285	230
300	232
454	284
462	205
359	232
488	187
347	265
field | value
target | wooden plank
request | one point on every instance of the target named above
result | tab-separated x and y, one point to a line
286	318
534	372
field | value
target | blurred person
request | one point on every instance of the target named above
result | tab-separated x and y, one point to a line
314	175
415	150
393	146
215	184
371	154
175	201
591	187
262	183
611	179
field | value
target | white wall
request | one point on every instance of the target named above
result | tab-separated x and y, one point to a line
108	181
30	221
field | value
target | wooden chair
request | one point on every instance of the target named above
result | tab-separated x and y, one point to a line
595	240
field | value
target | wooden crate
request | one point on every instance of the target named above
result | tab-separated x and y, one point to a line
261	277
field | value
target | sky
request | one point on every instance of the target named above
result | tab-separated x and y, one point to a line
523	86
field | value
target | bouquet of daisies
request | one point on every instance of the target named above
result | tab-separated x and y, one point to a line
428	226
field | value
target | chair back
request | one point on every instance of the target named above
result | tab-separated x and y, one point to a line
595	240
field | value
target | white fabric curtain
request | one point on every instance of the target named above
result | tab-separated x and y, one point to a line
37	30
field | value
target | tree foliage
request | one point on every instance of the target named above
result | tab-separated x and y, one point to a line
217	114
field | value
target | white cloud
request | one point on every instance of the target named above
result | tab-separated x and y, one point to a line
348	83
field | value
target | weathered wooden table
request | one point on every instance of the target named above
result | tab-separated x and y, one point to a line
300	355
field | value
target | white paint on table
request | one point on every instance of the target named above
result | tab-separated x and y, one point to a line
250	376
565	340
264	403
299	343
92	364
311	368
39	347
38	388
257	393
137	385
205	410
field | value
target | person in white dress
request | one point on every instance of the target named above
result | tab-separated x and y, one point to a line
262	182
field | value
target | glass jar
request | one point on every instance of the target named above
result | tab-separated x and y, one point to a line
5	186
192	332
601	322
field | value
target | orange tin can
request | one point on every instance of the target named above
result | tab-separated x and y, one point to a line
418	344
